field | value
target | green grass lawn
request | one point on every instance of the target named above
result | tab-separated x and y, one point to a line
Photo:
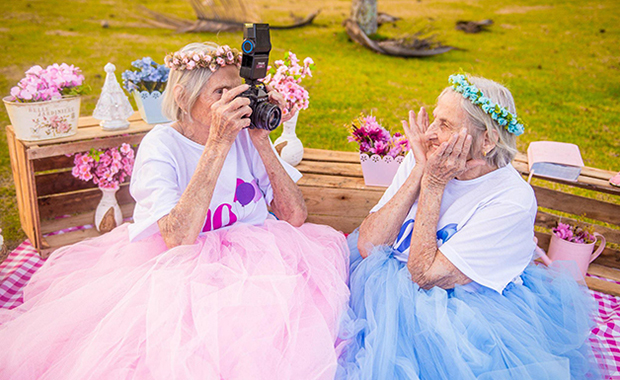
561	60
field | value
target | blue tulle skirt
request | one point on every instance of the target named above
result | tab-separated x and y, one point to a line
537	330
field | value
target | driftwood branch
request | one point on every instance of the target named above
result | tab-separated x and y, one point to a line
398	48
210	19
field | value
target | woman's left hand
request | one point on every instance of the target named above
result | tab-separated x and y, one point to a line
450	159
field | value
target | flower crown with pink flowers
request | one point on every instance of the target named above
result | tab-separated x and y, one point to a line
191	60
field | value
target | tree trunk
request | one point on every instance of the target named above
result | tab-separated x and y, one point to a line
364	13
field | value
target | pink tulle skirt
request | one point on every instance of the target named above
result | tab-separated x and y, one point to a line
242	303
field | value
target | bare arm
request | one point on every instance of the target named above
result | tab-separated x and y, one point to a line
382	227
427	265
186	219
288	202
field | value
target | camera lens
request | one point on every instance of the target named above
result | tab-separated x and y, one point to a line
266	116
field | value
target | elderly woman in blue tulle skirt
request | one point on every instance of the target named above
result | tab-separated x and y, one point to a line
442	284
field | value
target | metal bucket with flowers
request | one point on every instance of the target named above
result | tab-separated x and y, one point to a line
380	152
45	104
147	82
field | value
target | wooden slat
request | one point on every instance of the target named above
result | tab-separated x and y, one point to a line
603	271
77	202
346	225
546	220
339	202
60	182
331	156
577	205
56	241
88	128
24	175
52	163
52	225
85	145
603	286
331	168
331	181
18	168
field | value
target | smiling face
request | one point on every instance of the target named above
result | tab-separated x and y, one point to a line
449	119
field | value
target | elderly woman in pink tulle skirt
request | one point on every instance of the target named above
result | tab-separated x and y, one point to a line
205	283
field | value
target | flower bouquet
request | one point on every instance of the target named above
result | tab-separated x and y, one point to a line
380	152
107	168
147	82
45	104
285	77
573	243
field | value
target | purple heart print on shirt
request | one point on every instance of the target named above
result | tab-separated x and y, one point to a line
246	192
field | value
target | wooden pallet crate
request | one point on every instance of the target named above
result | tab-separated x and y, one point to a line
49	197
335	193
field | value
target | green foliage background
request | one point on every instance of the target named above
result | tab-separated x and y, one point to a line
561	60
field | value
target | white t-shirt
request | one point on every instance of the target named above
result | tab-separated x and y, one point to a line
485	228
165	164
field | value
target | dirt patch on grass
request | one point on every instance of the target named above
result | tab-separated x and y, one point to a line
517	9
63	33
134	38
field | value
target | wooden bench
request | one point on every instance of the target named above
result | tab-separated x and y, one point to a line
50	199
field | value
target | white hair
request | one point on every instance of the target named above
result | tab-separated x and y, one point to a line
192	83
506	147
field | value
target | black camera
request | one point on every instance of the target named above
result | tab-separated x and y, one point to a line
256	47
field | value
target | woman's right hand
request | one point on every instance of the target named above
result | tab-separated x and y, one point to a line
415	131
229	116
450	159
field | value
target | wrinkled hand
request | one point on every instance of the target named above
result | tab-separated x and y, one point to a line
415	131
229	115
450	159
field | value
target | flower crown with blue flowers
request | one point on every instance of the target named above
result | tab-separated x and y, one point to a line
501	115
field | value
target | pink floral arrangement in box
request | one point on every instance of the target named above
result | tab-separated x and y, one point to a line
573	234
107	168
286	78
51	83
380	152
375	139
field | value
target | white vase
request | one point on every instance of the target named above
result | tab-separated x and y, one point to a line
293	151
108	200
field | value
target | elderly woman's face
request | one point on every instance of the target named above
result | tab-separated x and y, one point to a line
223	79
449	119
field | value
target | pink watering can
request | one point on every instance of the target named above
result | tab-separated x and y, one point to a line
581	254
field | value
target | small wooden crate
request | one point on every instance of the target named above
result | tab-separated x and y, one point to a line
335	194
49	197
